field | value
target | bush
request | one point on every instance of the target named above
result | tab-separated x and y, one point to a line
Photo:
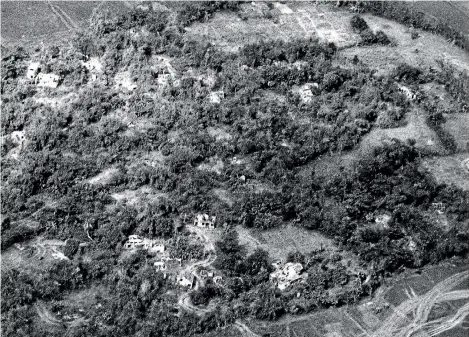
358	24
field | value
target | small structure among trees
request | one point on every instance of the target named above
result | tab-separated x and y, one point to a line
287	275
47	80
136	242
410	96
160	265
186	279
205	221
33	70
216	96
41	79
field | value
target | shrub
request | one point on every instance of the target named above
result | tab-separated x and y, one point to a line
358	24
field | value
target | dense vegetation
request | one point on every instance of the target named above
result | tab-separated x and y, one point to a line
272	131
368	36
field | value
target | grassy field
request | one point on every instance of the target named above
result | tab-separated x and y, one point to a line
458	126
282	240
32	21
449	169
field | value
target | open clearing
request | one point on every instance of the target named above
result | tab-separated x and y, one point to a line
416	129
458	126
29	21
449	169
282	240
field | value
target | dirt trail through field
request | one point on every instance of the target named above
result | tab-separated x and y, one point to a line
420	306
46	316
244	329
62	16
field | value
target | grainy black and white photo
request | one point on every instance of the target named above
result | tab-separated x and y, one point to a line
234	168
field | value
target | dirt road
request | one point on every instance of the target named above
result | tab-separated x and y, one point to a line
244	329
184	300
400	324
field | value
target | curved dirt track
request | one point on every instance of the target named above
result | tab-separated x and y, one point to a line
400	324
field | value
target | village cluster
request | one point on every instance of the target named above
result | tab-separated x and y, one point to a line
166	263
284	275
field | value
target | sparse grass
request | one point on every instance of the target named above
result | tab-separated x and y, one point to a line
458	126
416	129
282	240
449	169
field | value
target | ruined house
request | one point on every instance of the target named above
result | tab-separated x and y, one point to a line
307	91
205	221
47	80
287	275
94	66
383	219
160	265
216	96
157	248
136	242
205	274
33	70
186	279
41	79
410	96
439	207
218	280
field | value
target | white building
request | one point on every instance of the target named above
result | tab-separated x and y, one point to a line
47	80
160	265
205	221
33	70
216	96
287	275
383	220
157	248
186	280
136	242
410	96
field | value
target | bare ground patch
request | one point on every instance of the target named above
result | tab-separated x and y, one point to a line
141	196
104	177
